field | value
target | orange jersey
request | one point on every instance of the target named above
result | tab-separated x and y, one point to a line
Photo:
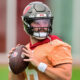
52	53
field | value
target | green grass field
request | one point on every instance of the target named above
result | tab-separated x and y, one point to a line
4	73
76	73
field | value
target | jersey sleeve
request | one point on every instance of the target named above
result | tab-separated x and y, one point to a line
60	54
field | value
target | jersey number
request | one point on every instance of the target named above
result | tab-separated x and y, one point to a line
32	72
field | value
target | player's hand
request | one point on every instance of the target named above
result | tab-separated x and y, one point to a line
35	60
10	52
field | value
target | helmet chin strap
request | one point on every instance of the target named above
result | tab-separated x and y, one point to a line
40	35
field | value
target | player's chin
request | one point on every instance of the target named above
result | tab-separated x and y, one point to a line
40	38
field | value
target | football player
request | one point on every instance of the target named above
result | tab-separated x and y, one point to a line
50	58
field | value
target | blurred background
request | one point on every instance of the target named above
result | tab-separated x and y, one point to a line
66	25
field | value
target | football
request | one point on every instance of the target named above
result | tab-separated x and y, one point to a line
16	63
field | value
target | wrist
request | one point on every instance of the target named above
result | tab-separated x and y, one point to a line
42	67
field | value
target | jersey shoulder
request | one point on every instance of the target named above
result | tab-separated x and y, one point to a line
57	43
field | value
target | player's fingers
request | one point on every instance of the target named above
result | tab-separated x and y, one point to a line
26	51
17	45
25	47
12	50
8	55
27	60
25	54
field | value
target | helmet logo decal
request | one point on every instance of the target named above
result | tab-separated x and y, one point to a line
41	15
31	16
26	10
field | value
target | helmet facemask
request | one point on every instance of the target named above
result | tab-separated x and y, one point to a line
38	31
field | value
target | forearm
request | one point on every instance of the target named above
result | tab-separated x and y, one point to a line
20	76
57	73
